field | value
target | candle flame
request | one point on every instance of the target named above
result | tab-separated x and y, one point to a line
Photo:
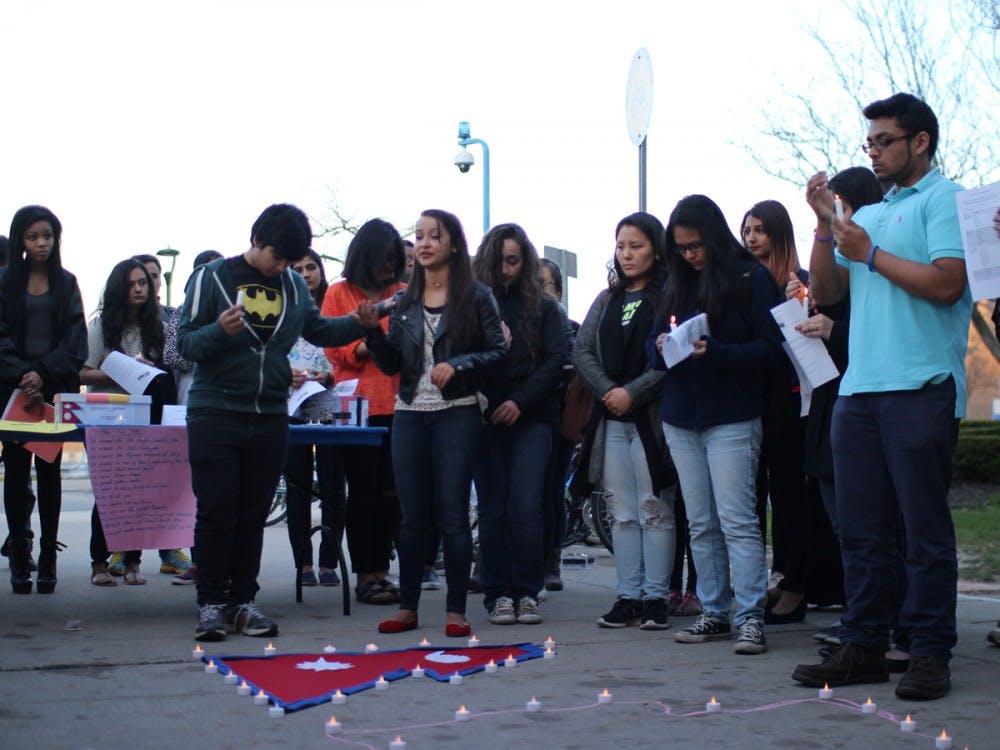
333	721
339	694
605	692
548	649
673	320
713	701
825	686
908	720
270	645
869	701
381	678
399	738
491	664
534	699
244	684
462	709
943	735
425	642
262	694
198	649
510	656
211	663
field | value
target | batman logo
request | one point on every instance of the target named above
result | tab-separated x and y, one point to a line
262	306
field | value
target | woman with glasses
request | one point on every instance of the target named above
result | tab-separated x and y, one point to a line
623	445
711	411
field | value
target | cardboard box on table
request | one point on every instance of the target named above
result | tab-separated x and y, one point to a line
325	408
102	408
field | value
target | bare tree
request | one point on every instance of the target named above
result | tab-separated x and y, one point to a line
335	223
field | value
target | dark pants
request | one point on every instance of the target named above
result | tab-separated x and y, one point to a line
432	458
372	505
17	499
99	545
510	478
892	456
329	462
236	460
682	548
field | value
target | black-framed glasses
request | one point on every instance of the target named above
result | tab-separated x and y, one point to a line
691	247
880	144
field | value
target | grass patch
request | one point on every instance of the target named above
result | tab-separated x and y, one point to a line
977	530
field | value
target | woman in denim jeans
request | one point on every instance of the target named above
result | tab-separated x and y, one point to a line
444	336
711	411
623	444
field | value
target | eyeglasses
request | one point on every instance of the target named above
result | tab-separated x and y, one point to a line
691	247
881	144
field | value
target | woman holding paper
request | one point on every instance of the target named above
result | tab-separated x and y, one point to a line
623	445
43	342
711	412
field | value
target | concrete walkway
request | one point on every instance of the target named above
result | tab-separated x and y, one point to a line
125	678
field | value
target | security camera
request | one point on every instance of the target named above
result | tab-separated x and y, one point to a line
464	160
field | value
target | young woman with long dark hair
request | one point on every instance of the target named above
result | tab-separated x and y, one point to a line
43	343
711	412
444	336
522	414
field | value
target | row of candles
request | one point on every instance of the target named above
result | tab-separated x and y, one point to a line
371	648
907	725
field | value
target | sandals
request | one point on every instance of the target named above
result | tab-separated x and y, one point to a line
377	592
133	576
100	576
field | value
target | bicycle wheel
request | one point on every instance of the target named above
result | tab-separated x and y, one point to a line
278	509
602	518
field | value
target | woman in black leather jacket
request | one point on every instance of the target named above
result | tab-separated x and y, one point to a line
444	336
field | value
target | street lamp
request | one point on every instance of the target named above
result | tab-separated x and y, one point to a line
464	161
169	252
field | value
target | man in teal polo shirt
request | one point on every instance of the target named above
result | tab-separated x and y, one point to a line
895	423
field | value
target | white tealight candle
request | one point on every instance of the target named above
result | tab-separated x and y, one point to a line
463	714
371	648
197	652
549	643
868	707
381	683
533	705
713	706
549	654
210	668
338	699
604	696
232	678
260	699
329	648
455	679
907	725
838	206
243	689
510	661
424	642
473	642
276	712
491	666
942	741
397	744
333	726
270	650
418	671
825	693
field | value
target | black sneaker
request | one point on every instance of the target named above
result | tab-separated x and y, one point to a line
848	665
705	628
750	639
927	678
211	623
654	614
622	613
248	620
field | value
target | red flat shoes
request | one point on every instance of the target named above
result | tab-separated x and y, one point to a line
396	626
457	629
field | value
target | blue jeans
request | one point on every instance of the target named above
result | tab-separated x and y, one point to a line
510	479
432	458
892	456
717	468
643	532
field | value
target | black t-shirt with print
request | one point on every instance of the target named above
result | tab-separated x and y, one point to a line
261	296
630	303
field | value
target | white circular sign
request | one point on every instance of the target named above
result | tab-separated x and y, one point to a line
639	96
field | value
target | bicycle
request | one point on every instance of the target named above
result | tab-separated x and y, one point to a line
586	516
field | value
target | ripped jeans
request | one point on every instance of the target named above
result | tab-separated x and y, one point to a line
643	532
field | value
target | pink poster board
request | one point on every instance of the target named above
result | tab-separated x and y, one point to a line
141	480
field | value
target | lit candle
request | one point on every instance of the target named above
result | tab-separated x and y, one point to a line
276	712
456	679
942	741
424	642
549	654
260	699
673	323
604	696
462	714
243	689
907	725
825	693
491	666
473	641
838	206
210	668
398	744
417	671
231	678
713	706
338	698
533	705
371	648
510	661
333	726
549	643
868	707
381	683
329	648
197	652
269	649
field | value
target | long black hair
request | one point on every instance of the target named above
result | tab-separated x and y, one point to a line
488	267
376	245
725	259
462	321
320	291
650	226
858	186
113	312
16	286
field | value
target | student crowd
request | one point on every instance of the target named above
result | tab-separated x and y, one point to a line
466	359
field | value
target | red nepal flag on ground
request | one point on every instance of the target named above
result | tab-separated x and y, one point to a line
296	681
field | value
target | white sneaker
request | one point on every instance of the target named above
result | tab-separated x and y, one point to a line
503	611
527	611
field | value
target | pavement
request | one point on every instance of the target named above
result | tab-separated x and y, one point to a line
126	679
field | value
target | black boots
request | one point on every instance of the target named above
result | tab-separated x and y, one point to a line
20	567
47	567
